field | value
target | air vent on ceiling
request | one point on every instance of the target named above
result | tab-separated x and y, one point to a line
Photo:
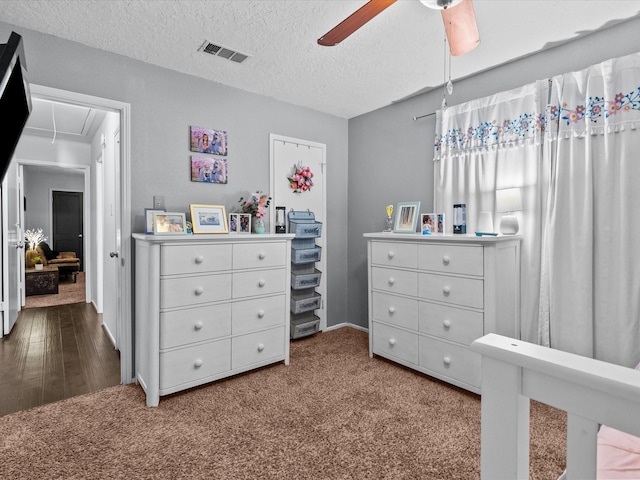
223	52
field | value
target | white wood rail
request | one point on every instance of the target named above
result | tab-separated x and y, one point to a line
592	392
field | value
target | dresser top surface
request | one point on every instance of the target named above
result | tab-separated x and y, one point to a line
440	238
213	238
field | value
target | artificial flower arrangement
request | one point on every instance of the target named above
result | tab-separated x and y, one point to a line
34	238
300	178
256	204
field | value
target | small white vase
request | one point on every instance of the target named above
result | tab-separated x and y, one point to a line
39	266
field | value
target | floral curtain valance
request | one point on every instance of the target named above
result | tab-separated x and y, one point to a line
604	98
502	120
592	101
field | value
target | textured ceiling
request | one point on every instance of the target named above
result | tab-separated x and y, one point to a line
398	53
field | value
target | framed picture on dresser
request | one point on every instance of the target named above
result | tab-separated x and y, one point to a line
169	223
148	219
209	219
406	219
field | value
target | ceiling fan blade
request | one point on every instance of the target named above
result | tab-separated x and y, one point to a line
461	28
353	22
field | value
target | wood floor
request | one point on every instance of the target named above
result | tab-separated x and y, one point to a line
54	353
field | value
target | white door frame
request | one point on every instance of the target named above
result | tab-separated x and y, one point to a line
273	139
125	325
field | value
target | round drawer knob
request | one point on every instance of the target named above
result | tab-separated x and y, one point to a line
392	310
198	326
262	255
197	363
392	341
446	290
446	260
260	347
446	361
260	313
199	291
199	259
390	254
392	280
446	324
262	283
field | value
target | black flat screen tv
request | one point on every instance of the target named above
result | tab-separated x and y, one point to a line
15	98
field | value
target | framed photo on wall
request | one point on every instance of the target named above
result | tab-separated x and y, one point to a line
208	140
169	223
148	219
209	219
406	217
208	170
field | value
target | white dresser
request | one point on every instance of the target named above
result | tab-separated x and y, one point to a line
430	296
209	306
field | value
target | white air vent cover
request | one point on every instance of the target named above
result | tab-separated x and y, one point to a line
223	52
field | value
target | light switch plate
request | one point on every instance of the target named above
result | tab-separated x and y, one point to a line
158	201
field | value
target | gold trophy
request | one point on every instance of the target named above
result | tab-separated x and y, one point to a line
389	215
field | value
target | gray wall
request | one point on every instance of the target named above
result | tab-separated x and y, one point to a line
392	154
39	182
163	106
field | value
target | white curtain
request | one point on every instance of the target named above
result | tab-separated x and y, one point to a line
489	144
572	145
590	287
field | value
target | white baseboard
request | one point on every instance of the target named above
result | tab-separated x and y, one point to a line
346	324
111	337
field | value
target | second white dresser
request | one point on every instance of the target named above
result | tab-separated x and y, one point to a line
431	296
209	306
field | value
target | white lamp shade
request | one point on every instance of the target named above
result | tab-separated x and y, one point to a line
508	200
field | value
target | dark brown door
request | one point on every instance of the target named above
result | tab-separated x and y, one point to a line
67	223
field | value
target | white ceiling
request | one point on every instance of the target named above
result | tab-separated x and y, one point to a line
394	56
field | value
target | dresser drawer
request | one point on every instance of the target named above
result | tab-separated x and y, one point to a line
458	290
250	315
191	325
399	311
454	361
193	363
187	291
180	259
393	342
453	324
467	260
395	281
394	254
257	347
259	282
258	255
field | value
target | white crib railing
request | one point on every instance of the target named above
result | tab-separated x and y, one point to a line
592	392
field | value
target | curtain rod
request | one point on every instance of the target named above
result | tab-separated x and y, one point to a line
422	116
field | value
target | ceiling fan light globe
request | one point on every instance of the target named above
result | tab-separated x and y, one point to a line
440	4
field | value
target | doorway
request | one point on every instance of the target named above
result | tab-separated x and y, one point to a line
92	251
67	221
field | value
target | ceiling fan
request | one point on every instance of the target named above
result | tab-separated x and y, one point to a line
458	17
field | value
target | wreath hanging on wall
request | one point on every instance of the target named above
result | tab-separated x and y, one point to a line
300	178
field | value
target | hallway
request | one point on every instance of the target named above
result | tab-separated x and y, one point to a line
55	353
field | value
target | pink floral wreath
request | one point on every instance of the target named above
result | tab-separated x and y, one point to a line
300	178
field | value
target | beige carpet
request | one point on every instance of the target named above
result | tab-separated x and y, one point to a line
68	292
334	413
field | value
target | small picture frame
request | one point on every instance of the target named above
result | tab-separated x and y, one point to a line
169	223
148	219
406	217
209	219
432	223
239	223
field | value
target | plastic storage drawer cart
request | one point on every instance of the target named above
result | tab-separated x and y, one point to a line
304	274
